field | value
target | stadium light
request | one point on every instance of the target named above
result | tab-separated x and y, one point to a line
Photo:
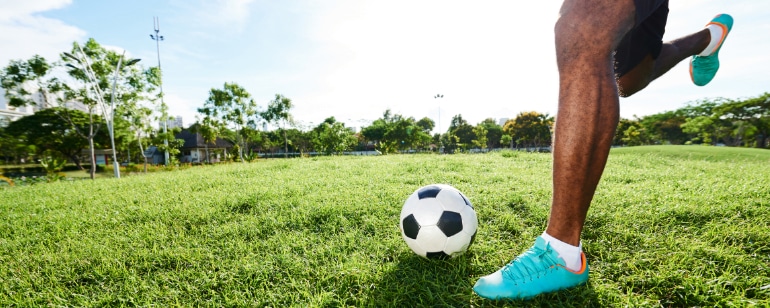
157	38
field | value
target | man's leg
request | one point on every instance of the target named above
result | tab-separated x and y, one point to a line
587	33
588	107
703	46
670	55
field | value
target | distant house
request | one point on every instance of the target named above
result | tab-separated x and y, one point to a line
103	156
195	150
154	155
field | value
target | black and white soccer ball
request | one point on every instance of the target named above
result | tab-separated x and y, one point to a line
438	222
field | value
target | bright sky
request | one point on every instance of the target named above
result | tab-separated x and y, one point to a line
353	59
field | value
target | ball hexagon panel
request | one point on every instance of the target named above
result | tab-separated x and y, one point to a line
427	211
415	246
470	221
458	243
431	239
409	205
451	200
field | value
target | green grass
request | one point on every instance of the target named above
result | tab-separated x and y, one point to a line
669	226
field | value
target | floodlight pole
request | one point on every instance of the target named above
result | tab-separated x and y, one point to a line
439	111
439	117
157	38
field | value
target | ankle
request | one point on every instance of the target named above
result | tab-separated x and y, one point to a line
716	33
572	255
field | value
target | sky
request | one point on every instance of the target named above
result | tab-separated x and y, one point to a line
354	59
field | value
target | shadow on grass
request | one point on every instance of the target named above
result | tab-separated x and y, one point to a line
417	282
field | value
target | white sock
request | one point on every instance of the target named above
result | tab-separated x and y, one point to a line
570	254
716	37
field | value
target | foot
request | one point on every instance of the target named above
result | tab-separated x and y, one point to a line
703	68
538	270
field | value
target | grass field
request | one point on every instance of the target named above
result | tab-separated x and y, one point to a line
669	226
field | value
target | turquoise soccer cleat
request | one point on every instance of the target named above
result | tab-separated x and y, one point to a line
538	270
703	68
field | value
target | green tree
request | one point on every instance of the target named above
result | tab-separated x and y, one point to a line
333	137
506	139
18	75
47	130
231	106
751	118
480	131
530	129
494	132
278	112
92	69
461	132
394	132
665	128
620	132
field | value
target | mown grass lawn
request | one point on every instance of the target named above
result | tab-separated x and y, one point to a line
669	226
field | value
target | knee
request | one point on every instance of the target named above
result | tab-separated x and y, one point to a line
579	31
577	40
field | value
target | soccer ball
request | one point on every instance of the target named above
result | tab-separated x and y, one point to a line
438	222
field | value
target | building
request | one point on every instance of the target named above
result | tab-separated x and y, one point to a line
502	121
196	150
172	123
9	113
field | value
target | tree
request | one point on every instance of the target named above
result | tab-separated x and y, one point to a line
530	129
494	132
461	132
376	133
22	79
629	133
394	132
231	106
632	136
47	130
38	74
751	118
333	137
665	127
101	69
91	68
278	112
481	136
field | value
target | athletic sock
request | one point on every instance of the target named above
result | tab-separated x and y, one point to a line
570	254
716	36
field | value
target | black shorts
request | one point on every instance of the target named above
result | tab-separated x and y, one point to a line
646	38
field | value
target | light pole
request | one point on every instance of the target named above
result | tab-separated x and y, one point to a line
439	111
439	121
109	116
157	38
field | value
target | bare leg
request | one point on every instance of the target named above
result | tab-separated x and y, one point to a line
587	33
672	53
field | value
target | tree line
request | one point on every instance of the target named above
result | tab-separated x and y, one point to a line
90	78
720	121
